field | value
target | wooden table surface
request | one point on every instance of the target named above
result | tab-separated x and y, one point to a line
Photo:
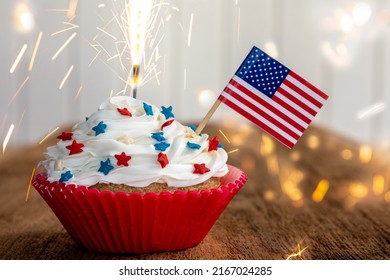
272	217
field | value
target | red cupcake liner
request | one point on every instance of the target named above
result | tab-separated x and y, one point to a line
138	223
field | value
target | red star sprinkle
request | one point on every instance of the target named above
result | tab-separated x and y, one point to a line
213	144
122	159
163	159
167	123
200	168
124	112
75	147
65	136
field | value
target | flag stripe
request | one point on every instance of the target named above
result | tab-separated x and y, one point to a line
262	107
292	100
276	102
309	99
309	85
282	102
274	119
286	140
275	110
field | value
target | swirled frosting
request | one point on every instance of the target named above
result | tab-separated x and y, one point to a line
128	141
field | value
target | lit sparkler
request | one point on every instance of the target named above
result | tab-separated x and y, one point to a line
136	21
138	24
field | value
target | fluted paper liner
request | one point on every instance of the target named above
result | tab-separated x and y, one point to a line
138	223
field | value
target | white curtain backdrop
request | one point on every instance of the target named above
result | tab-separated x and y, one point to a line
342	47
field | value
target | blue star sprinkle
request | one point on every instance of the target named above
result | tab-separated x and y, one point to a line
65	176
159	136
167	112
162	146
105	166
100	128
193	146
220	146
148	109
193	127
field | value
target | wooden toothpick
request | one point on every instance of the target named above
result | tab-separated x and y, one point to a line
208	116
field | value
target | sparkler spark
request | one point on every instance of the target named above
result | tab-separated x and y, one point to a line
105	32
371	111
8	136
18	58
298	253
185	78
72	9
77	94
64	45
238	24
5	117
72	26
21	118
190	29
18	91
30	67
48	135
233	151
66	77
29	184
224	136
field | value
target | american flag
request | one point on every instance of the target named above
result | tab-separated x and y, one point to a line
273	97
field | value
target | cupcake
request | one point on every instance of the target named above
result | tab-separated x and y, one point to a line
132	179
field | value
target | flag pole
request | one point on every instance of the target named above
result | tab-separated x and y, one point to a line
208	116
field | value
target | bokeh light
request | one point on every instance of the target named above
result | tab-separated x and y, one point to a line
24	20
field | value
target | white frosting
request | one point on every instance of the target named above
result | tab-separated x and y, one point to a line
132	135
